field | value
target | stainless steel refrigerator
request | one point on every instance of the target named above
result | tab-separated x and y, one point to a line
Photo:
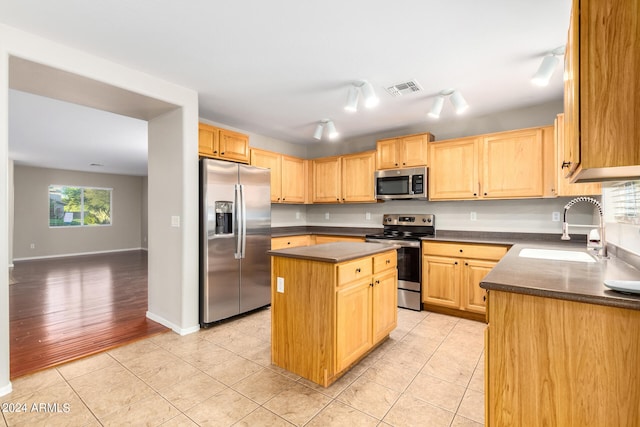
235	235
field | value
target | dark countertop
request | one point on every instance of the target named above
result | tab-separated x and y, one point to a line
333	252
567	280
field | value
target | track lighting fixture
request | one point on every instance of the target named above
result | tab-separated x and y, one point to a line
547	67
332	133
368	94
456	98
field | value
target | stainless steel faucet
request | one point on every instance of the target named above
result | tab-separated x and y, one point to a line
600	245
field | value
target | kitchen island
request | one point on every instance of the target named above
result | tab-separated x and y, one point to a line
561	348
331	304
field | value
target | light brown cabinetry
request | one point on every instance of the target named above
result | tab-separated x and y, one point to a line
222	144
344	179
403	152
451	274
601	102
563	186
501	165
291	241
552	362
288	175
321	238
331	314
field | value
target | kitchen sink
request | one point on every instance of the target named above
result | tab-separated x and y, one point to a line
557	255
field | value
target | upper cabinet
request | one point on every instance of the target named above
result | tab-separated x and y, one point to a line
601	102
403	152
222	144
494	166
344	179
563	186
288	175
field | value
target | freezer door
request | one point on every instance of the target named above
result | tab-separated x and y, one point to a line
220	270
255	285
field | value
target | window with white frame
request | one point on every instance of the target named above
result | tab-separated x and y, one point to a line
71	206
625	201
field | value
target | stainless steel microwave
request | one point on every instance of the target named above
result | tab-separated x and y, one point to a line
406	183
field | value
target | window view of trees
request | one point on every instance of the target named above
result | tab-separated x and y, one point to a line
79	206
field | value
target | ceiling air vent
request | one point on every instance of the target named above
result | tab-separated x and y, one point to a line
404	88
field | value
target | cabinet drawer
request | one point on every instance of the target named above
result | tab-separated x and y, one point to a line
385	261
464	250
353	270
289	241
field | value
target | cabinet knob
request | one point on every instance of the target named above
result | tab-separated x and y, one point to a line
466	263
358	270
565	165
460	250
455	263
371	284
222	154
388	261
475	194
338	198
377	282
485	194
215	152
484	298
283	199
396	164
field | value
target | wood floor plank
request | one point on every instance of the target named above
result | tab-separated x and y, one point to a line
62	309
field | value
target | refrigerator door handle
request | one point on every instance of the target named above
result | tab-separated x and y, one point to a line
243	224
238	221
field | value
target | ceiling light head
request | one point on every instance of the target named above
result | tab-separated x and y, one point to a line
331	129
436	108
544	73
352	100
369	95
318	133
458	101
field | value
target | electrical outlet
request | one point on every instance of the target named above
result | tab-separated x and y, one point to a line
367	216
473	216
555	216
298	215
175	221
280	284
327	216
32	246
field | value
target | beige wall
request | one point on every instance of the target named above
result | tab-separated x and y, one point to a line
31	205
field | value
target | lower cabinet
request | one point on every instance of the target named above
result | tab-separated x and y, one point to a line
451	274
330	315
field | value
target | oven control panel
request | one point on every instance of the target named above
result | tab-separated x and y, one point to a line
409	219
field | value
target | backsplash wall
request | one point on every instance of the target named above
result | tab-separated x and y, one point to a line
525	215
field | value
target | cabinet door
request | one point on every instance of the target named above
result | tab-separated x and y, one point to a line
207	140
473	296
564	186
414	151
234	146
358	177
440	281
385	304
453	173
353	322
571	150
387	154
272	161
326	180
294	180
290	241
512	165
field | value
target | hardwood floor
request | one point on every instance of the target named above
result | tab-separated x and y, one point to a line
62	309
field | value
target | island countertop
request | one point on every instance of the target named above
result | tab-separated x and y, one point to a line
333	252
568	280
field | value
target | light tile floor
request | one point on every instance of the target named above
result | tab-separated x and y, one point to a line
429	373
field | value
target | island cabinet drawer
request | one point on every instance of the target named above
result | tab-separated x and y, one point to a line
290	241
385	261
464	250
353	270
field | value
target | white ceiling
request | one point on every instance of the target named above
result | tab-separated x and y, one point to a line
278	67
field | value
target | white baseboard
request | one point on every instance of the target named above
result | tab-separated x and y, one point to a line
175	328
6	389
77	254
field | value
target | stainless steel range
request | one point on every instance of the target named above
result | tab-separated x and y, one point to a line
406	230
